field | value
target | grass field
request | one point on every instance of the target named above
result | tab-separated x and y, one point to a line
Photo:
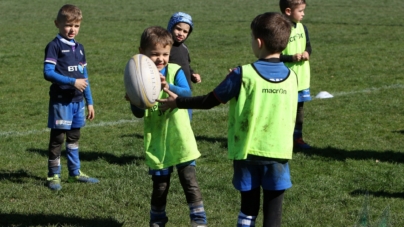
357	136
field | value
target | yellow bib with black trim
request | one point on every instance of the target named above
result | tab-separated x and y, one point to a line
262	118
168	136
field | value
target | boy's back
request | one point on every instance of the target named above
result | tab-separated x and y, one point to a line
261	118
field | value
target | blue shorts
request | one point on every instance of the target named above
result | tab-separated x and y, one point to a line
169	170
66	115
273	176
304	95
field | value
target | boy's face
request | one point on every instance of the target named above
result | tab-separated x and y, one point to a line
68	30
296	15
180	32
158	54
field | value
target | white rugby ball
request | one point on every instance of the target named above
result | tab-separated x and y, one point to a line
142	81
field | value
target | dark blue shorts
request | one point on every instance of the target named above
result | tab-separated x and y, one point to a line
273	176
66	115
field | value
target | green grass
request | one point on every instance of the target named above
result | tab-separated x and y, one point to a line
357	135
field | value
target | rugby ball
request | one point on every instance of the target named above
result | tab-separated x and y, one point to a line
142	81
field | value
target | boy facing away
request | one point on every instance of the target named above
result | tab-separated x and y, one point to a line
65	67
168	138
260	140
296	56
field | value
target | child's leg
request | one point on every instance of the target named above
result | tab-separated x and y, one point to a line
298	133
72	151
250	205
161	185
73	159
57	137
187	175
273	208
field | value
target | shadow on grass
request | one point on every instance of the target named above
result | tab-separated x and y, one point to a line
341	155
56	220
221	140
361	192
135	135
17	176
399	131
94	155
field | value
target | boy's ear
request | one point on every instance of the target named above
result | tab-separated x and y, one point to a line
288	11
260	43
56	23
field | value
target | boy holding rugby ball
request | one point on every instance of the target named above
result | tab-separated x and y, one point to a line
168	138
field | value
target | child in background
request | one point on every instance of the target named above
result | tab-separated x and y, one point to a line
296	56
262	110
181	26
65	67
169	140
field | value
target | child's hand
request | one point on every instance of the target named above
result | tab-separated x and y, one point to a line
231	70
91	113
196	78
297	57
80	84
127	97
164	83
305	56
168	103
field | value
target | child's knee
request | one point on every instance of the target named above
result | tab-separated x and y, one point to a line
73	136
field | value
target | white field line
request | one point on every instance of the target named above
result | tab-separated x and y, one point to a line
100	124
217	109
372	89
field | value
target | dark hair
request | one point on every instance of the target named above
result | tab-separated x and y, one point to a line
283	4
154	35
273	29
69	13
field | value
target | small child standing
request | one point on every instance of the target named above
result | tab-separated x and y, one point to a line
296	56
169	140
65	67
181	26
259	139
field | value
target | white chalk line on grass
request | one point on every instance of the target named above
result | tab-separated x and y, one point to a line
393	86
100	124
217	109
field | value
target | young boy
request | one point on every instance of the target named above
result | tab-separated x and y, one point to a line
263	98
169	140
181	26
65	67
296	56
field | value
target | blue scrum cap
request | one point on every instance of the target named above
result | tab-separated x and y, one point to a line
180	17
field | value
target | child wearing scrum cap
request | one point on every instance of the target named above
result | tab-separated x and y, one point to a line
181	26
